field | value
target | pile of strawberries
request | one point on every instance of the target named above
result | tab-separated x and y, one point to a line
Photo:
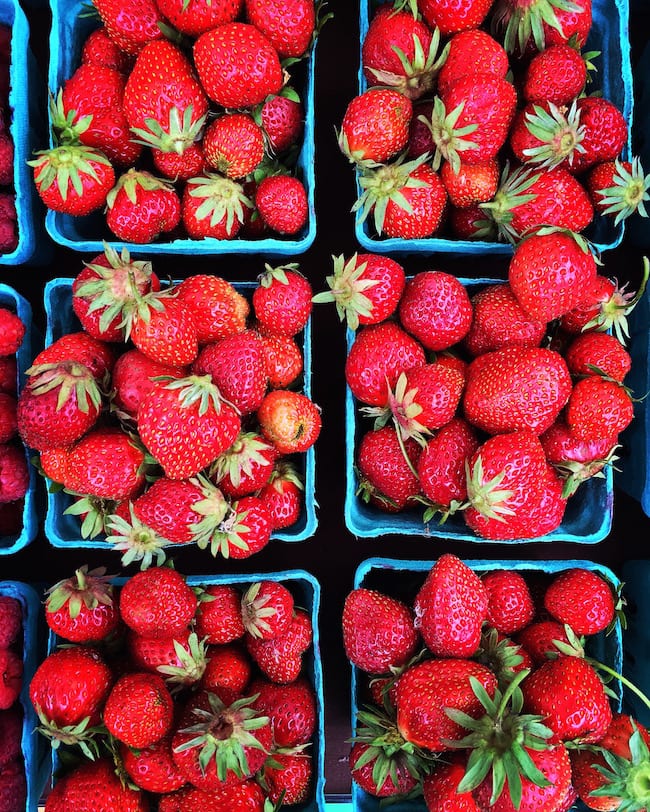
168	417
8	228
14	473
476	135
13	788
483	697
182	121
495	405
176	697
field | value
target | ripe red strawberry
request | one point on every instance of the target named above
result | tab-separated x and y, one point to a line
180	166
181	659
8	375
157	603
291	708
435	308
218	310
282	301
289	26
426	690
169	508
107	463
539	638
11	678
290	420
282	359
450	608
393	778
237	65
12	331
510	606
141	207
547	136
420	140
600	350
133	378
378	631
139	709
280	659
605	132
82	348
619	188
281	496
576	460
152	768
99	49
365	288
604	305
568	693
213	206
247	797
449	17
267	609
439	789
94	786
246	466
73	179
281	117
441	467
550	272
282	203
218	617
500	322
516	389
407	200
531	27
14	473
227	673
470	52
233	144
375	126
557	75
82	609
11	733
582	599
471	224
11	620
245	530
598	408
471	183
197	17
130	25
385	477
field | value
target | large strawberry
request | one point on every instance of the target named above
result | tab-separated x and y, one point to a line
163	329
289	26
472	51
139	709
375	126
598	408
73	179
157	602
141	207
107	463
556	75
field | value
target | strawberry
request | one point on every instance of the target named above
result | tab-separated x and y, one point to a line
247	797
282	301
12	331
168	507
281	117
73	179
267	609
407	199
82	609
471	184
227	673
181	659
99	49
107	463
575	460
11	733
218	616
139	709
282	360
282	203
157	603
93	786
218	310
246	466
568	693
538	639
471	224
516	389
290	420
450	18
237	65
500	322
450	608
245	530
427	690
281	496
557	75
435	308
401	52
598	408
469	52
133	378
582	599
180	166
365	288
600	350
530	27
545	135
152	768
82	348
233	144
132	25
11	620
549	273
290	782
439	789
510	606
141	207
375	126
379	773
289	26
420	140
14	473
386	473
280	659
198	16
378	631
605	132
213	206
236	367
441	467
619	188
11	678
291	708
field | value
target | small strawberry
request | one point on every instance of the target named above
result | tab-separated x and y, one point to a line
14	473
198	16
378	631
11	678
282	359
450	18
141	207
267	609
244	531
289	26
139	710
180	659
582	599
576	460
375	126
282	497
605	132
218	310
73	179
557	75
12	332
435	308
529	27
281	117
547	136
157	603
600	350
233	144
440	789
227	673
290	782
134	377
598	408
99	49
189	163
441	467
11	620
213	206
282	203
387	472
291	708
132	25
619	188
290	420
82	609
246	466
282	301
80	348
152	768
539	640
218	616
377	770
510	606
168	507
280	659
471	183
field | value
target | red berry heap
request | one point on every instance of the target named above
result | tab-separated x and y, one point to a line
184	141
8	226
168	417
481	697
495	406
197	696
14	473
13	787
466	134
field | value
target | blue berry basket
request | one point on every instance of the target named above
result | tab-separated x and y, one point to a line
15	302
306	592
609	35
25	117
69	30
35	748
63	530
402	579
587	520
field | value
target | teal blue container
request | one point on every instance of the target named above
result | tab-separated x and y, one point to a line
63	530
588	517
70	28
306	593
404	578
35	749
25	116
609	35
15	302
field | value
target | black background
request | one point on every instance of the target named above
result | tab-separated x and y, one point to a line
333	554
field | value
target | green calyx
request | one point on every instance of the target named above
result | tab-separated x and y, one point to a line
418	75
246	451
560	135
220	198
448	138
66	130
136	541
81	735
628	780
402	407
89	589
95	511
628	194
284	471
500	740
278	274
255	611
196	390
500	655
135	180
193	662
222	733
513	192
574	473
485	496
612	314
526	22
347	287
181	131
70	378
221	536
65	165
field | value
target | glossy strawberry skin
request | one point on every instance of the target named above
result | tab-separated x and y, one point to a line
556	75
473	183
560	201
601	350
199	16
582	599
427	203
233	144
384	470
375	126
157	603
219	618
152	768
435	308
139	709
95	186
228	673
441	467
538	639
282	203
133	376
282	120
218	310
106	463
292	709
605	134
598	408
283	308
451	17
289	26
470	52
155	212
440	789
510	606
94	786
280	659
